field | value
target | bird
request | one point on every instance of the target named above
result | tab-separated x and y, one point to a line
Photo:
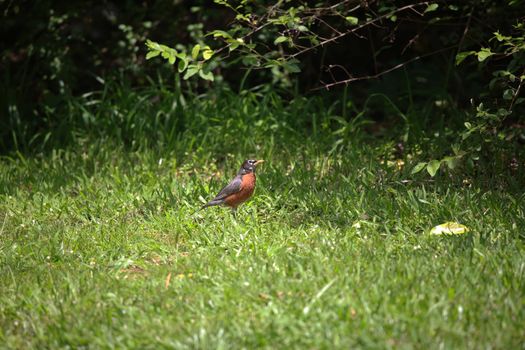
240	189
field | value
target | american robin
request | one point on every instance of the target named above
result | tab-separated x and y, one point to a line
240	189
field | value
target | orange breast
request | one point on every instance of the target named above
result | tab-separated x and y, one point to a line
247	188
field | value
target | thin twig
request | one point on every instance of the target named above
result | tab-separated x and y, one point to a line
342	68
375	76
377	19
328	25
255	30
517	92
413	40
465	31
374	56
332	8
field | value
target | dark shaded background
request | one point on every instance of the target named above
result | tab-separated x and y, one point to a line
53	50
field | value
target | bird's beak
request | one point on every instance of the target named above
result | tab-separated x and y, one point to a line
259	162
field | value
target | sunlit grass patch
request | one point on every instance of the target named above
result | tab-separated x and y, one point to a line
103	245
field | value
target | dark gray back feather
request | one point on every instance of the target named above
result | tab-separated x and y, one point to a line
233	187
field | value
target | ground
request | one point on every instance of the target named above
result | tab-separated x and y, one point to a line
102	246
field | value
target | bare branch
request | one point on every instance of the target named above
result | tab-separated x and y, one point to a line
516	93
465	31
413	40
328	25
375	76
377	19
340	67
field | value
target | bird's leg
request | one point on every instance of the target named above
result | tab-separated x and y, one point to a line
234	212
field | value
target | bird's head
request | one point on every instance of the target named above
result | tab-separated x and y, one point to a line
249	166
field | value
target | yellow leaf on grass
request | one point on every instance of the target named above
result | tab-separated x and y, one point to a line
449	228
167	281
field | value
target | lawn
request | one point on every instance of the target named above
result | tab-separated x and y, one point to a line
102	246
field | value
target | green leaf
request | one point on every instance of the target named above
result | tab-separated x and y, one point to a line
452	162
419	166
313	40
206	76
460	57
233	46
303	29
280	39
195	51
508	94
431	7
251	60
207	53
484	54
220	34
433	167
191	71
243	17
183	64
502	113
234	43
291	66
223	3
153	45
501	37
352	20
449	228
152	54
171	58
165	48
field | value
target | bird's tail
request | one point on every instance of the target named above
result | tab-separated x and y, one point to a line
209	204
212	203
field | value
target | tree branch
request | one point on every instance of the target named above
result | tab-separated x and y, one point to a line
375	76
516	93
377	19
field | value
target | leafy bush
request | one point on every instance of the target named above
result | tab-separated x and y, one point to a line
405	52
287	38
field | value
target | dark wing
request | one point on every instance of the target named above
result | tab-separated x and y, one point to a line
233	187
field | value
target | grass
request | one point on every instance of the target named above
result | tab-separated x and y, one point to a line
101	247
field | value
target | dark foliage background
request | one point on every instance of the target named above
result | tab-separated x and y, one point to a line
52	51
